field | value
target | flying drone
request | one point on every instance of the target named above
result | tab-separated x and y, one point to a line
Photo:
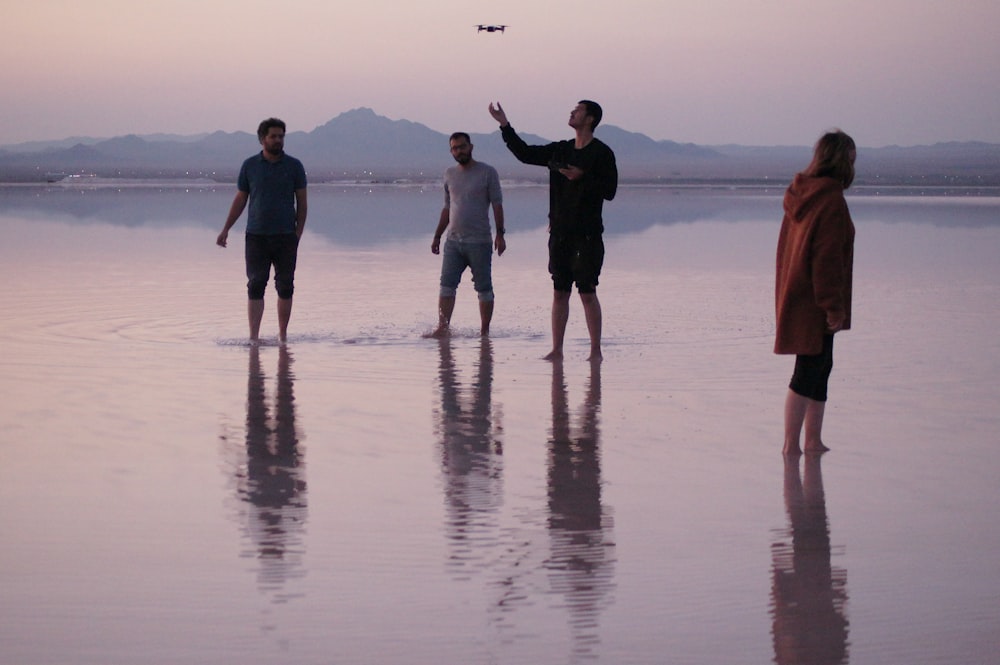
491	28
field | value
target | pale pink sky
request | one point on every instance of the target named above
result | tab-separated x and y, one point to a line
755	72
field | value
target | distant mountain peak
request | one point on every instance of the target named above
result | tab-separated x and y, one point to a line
360	111
364	120
353	118
360	114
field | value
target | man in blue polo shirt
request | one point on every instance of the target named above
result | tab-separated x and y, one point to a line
274	184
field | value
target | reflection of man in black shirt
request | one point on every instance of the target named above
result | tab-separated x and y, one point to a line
583	175
809	595
581	561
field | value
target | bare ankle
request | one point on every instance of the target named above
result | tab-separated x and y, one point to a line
816	447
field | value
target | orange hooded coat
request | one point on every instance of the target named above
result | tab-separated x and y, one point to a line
814	264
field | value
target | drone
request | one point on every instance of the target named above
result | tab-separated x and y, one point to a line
491	28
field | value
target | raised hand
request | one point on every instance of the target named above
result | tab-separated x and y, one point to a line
498	114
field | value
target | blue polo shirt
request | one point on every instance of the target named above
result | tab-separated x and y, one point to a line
272	187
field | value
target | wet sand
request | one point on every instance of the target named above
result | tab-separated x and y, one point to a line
366	495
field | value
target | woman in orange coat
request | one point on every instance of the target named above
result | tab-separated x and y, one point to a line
813	285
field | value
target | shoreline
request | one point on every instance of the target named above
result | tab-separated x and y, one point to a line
710	186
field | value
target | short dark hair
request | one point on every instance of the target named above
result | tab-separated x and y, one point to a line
459	135
265	126
832	158
594	111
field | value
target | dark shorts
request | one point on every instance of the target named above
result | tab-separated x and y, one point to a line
575	259
263	251
812	373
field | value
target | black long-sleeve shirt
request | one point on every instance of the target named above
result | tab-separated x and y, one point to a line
575	206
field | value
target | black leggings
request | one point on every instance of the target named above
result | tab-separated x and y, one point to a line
812	373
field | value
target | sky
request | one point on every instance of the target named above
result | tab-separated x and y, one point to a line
711	72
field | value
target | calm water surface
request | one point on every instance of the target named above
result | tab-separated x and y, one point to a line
364	495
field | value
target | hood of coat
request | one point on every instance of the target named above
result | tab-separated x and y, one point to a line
807	193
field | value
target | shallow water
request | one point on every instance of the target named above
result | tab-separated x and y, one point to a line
365	495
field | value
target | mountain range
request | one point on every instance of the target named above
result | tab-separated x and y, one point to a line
360	145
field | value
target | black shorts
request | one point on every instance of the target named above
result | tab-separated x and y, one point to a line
812	373
576	259
263	251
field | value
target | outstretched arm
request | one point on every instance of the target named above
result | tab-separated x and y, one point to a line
538	155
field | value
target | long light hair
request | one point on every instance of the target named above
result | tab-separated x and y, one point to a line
833	157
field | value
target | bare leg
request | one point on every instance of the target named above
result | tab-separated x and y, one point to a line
795	414
814	427
446	305
284	316
255	312
485	316
560	315
592	312
801	410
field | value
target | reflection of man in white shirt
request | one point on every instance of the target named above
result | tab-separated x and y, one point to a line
470	189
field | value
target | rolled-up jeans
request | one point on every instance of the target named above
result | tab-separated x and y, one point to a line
458	255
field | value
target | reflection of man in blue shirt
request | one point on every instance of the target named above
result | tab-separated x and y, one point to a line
274	184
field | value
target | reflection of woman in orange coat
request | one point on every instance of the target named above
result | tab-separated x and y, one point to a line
813	286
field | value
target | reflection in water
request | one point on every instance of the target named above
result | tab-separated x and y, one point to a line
470	458
271	483
809	595
581	560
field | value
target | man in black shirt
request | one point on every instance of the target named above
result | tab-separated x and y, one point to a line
583	175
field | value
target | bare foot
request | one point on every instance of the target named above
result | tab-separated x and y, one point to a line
439	333
816	448
596	357
554	355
